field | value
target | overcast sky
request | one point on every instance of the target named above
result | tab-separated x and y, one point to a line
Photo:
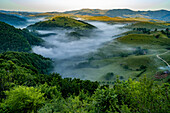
65	5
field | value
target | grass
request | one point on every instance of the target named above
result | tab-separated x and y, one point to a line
109	59
62	22
116	65
166	57
144	39
149	25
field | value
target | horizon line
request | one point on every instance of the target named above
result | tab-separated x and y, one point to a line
86	8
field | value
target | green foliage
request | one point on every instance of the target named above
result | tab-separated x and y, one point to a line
56	106
21	69
31	61
143	95
24	88
73	104
76	105
50	92
23	99
105	100
31	38
13	39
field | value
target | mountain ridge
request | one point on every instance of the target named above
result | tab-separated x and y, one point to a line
161	14
158	14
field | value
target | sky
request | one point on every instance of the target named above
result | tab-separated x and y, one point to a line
67	5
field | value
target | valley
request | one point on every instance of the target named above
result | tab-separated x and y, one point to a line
94	49
85	61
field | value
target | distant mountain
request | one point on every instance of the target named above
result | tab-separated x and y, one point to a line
159	14
11	19
22	13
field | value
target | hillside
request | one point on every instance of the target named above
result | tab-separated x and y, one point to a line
61	22
115	19
144	39
13	39
149	25
11	19
29	61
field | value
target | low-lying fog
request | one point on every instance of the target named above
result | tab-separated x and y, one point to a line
66	52
30	21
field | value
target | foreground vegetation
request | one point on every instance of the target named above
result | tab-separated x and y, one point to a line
25	90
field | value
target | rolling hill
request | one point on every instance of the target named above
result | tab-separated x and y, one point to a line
11	19
149	25
61	22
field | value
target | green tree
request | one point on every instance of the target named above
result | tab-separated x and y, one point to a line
106	100
22	99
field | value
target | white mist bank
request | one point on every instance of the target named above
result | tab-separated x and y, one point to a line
63	49
67	54
30	21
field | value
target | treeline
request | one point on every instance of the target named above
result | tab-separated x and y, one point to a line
12	39
26	88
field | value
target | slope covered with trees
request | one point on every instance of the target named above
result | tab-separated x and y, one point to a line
12	39
31	61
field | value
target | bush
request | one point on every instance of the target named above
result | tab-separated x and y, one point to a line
23	99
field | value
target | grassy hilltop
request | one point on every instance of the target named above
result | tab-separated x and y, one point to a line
149	25
62	22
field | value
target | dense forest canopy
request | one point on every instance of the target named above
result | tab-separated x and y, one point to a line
12	39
